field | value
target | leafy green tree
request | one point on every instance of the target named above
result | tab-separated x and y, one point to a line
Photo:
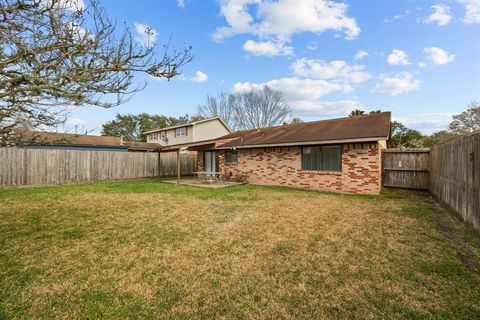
403	137
375	112
296	120
437	137
131	127
356	113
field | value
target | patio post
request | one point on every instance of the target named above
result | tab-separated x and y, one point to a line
178	166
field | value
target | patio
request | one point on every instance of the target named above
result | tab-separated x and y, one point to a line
206	183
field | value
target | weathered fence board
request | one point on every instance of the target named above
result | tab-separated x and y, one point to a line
406	168
46	166
455	176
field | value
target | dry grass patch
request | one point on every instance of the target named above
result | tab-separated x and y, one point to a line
143	249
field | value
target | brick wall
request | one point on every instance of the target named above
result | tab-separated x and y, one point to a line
361	169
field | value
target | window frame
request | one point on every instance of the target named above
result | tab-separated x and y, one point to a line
231	152
320	168
183	129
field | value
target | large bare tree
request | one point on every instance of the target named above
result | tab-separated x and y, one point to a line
251	109
59	54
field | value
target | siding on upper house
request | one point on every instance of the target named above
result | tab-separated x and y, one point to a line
201	131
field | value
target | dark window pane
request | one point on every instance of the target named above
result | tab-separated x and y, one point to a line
325	158
231	157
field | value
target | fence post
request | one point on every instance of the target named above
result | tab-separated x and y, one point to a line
178	166
159	165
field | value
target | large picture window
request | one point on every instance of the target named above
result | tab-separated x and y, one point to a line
231	157
322	158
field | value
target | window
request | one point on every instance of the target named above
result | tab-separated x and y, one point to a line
323	158
181	132
163	134
231	157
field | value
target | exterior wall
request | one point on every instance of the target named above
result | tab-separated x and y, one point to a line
209	130
172	140
199	132
361	169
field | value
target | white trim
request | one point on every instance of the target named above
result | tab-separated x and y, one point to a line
305	143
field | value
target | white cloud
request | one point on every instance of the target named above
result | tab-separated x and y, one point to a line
275	21
401	15
438	55
397	84
338	71
267	48
398	57
313	80
295	88
145	34
303	95
72	5
199	77
472	7
324	108
76	122
360	55
181	3
422	64
441	15
427	122
312	46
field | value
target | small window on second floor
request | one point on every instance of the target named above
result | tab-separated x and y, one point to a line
181	132
163	134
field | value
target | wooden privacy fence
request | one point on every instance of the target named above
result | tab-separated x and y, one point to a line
406	168
46	166
455	171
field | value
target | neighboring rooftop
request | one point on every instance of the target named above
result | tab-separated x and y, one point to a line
191	124
350	129
57	138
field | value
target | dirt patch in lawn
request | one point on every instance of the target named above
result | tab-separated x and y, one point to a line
448	225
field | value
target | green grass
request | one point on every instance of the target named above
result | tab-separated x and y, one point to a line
148	250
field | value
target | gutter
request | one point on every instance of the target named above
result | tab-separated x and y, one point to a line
306	143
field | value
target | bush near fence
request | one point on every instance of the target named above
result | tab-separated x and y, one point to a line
20	167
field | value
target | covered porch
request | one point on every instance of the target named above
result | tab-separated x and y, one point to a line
207	172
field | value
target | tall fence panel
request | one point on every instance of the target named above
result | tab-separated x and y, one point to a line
406	168
48	166
455	176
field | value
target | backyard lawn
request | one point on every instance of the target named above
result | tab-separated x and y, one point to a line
144	249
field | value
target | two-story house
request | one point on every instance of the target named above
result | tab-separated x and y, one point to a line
201	130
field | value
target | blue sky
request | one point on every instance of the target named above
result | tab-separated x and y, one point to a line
418	59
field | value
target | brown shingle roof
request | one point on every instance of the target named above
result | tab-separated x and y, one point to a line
363	128
42	137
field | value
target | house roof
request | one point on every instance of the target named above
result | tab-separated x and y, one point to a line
57	138
351	129
191	124
43	137
141	146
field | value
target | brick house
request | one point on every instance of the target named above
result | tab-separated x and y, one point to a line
341	155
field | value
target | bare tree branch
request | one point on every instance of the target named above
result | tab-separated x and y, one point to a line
248	110
55	54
